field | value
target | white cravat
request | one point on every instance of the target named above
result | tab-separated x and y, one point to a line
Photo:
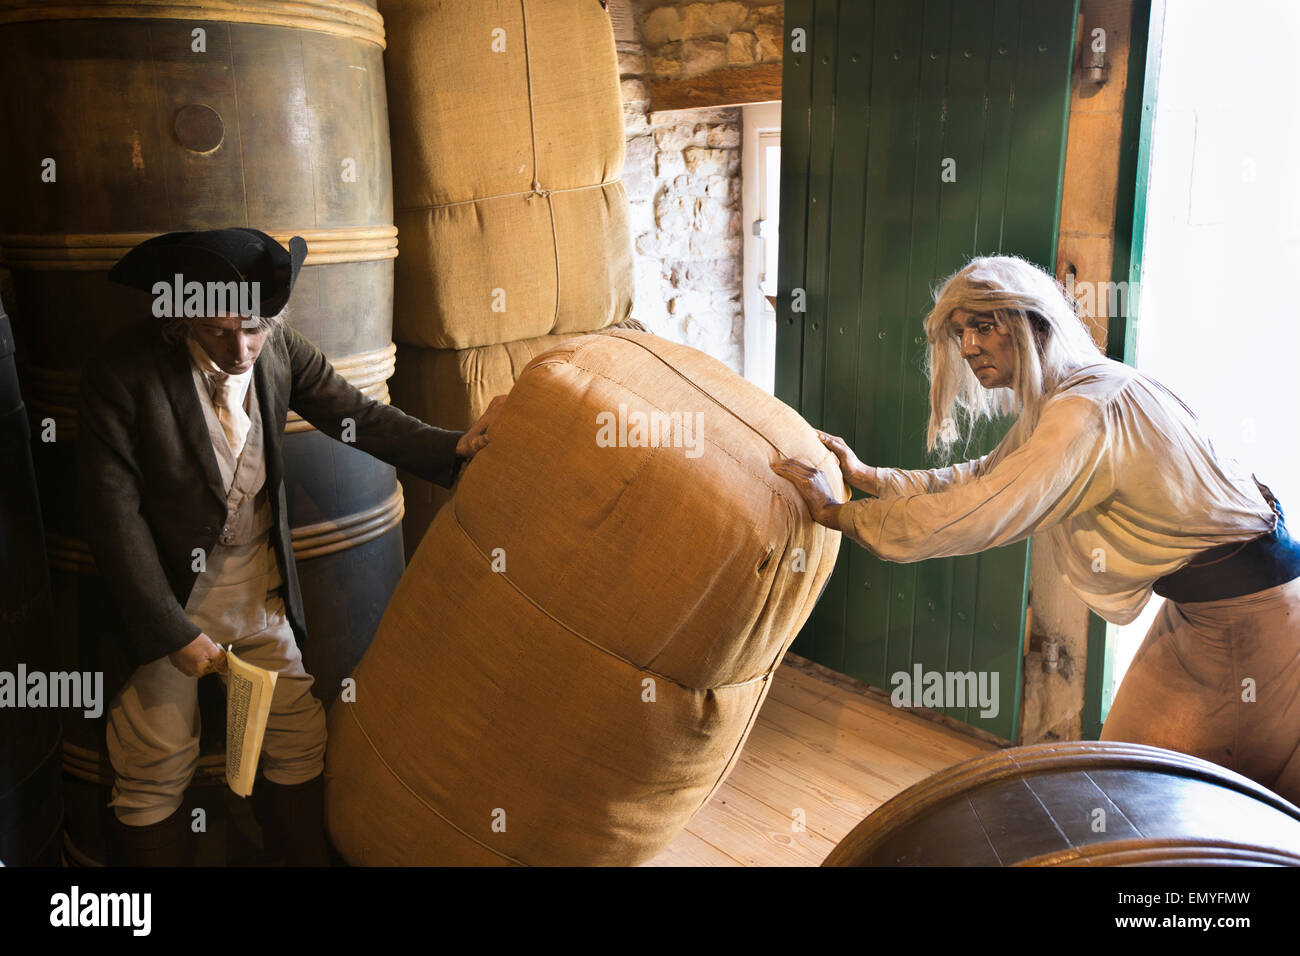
227	393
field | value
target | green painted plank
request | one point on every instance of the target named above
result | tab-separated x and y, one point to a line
996	157
822	46
796	124
841	325
796	134
896	378
995	152
1032	210
1098	677
888	215
1039	126
914	635
964	136
827	620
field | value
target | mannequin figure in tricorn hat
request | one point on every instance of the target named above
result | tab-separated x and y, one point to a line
182	498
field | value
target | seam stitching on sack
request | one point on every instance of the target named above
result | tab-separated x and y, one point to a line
735	753
615	333
432	809
763	479
695	385
537	175
753	714
514	195
651	402
781	653
585	639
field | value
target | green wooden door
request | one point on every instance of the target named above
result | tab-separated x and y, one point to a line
881	99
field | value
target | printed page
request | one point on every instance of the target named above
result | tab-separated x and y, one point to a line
248	705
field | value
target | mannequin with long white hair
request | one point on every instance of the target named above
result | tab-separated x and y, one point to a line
1046	335
1121	476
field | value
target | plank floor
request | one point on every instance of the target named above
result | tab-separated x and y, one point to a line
822	756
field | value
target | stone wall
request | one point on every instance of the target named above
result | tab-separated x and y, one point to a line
683	182
686	39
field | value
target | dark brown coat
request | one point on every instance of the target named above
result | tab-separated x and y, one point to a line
151	491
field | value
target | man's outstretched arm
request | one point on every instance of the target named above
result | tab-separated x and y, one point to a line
327	399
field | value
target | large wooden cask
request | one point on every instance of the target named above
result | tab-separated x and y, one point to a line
579	648
125	120
31	793
1078	804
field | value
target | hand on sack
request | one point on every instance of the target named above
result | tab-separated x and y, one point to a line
472	442
856	474
814	488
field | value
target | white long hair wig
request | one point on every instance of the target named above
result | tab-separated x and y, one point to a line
1048	337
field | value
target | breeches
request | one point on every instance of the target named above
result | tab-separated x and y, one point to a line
1221	680
153	724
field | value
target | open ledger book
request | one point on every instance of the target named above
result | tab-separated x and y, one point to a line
248	705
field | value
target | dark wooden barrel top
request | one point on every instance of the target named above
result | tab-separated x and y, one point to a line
1044	805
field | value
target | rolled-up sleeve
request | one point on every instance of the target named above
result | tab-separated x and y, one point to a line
1060	470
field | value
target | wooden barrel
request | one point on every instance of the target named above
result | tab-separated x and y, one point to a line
31	798
1078	804
125	120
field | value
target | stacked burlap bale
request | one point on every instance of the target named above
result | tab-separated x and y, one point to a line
508	142
581	644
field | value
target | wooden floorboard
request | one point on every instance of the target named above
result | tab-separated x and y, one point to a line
691	850
819	759
923	740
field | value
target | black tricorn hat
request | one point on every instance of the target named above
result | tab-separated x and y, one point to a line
217	255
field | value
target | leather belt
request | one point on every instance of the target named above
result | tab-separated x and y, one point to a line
1239	567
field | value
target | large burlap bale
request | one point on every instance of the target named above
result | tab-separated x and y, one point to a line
508	143
566	584
451	388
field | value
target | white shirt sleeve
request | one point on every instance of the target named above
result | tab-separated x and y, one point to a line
1061	469
901	481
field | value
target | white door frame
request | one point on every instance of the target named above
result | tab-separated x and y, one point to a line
759	346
